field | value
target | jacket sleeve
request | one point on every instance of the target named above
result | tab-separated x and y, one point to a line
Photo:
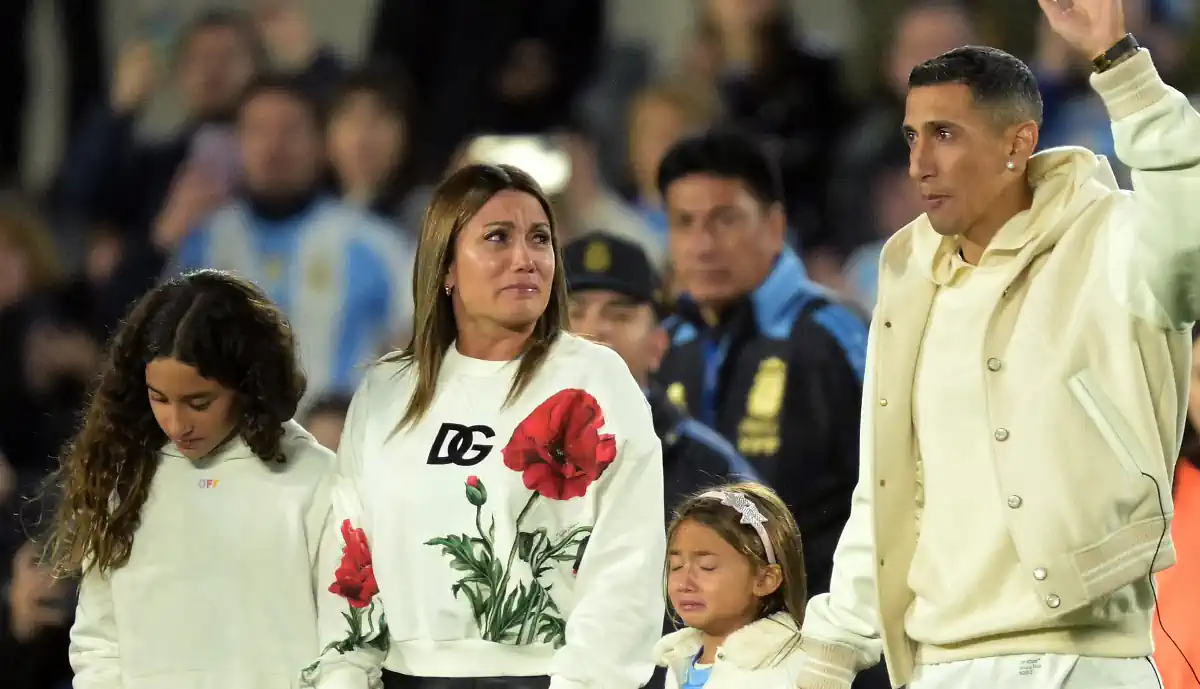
354	639
94	652
1154	256
841	628
319	522
618	616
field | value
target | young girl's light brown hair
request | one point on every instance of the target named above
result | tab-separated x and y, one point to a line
781	530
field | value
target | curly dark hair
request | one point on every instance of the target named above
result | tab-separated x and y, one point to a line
231	333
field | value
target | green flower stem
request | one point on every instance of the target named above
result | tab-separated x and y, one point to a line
529	625
569	538
483	534
501	592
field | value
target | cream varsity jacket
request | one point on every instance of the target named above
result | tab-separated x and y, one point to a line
1087	358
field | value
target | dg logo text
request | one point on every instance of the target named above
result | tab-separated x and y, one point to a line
465	446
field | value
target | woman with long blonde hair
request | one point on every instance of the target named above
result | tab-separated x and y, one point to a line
499	482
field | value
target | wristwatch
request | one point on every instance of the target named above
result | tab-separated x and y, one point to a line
1119	51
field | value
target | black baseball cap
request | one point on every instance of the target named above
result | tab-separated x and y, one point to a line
602	260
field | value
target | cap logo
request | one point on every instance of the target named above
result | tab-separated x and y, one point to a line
597	258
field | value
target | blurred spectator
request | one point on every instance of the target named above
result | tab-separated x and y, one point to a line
659	116
588	203
291	47
110	173
35	614
503	66
326	418
342	274
788	96
926	29
28	261
29	268
894	202
368	141
759	353
81	23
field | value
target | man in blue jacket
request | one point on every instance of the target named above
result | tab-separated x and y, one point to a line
767	358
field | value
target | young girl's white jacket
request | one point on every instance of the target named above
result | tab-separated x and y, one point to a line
219	590
764	654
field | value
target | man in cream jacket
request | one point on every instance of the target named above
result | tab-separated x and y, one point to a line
1026	385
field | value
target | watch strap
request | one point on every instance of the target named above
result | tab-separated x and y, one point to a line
1120	50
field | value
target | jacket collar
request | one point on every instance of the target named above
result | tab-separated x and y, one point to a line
768	303
759	644
1064	181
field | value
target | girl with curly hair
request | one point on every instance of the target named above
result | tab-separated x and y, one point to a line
192	505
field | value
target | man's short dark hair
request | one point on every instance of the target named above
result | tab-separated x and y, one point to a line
998	81
723	153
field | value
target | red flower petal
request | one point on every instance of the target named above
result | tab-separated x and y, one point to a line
354	578
559	448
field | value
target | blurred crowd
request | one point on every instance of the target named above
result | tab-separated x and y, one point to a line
281	131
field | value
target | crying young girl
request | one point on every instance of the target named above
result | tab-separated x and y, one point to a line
735	577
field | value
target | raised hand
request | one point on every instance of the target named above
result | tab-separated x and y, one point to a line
1089	26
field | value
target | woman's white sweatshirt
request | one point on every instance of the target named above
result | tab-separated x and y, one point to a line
494	539
219	589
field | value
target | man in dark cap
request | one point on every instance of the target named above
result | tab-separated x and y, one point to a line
615	299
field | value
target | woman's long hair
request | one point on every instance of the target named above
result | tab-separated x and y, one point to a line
455	202
231	333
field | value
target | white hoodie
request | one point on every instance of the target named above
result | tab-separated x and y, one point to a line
218	592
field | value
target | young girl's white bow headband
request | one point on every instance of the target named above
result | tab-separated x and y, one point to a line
750	515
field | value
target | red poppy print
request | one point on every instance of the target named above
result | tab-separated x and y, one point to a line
559	448
354	579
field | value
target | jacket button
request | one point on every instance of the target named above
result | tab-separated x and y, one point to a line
1014	501
882	402
720	655
1039	573
1052	601
1001	434
887	324
993	364
882	483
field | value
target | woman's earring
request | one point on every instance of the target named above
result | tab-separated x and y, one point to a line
1010	165
449	289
